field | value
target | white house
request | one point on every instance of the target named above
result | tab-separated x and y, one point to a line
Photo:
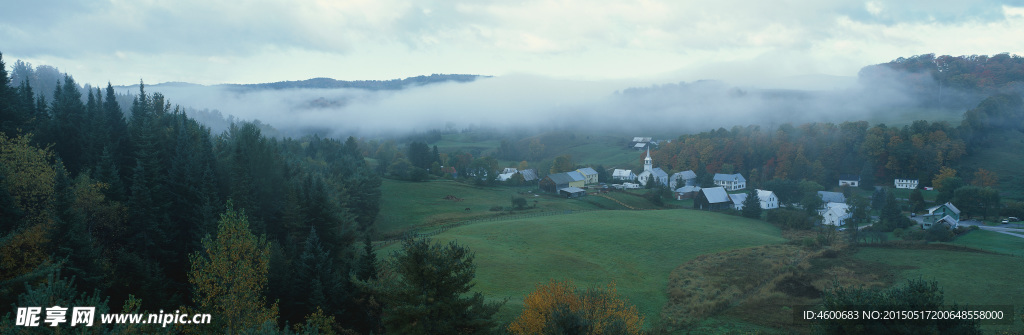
767	199
623	175
506	176
590	175
835	214
906	183
682	178
849	180
509	170
731	182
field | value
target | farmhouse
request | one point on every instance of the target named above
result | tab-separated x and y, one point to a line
623	175
682	178
835	214
712	199
906	183
850	180
832	197
945	213
686	192
731	182
553	182
767	199
641	143
589	174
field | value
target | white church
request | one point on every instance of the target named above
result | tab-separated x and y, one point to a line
658	174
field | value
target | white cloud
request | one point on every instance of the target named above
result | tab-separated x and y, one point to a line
269	40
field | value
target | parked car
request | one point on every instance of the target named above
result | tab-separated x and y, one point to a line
1013	219
1006	220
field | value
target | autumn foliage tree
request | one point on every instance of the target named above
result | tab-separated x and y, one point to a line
561	308
230	274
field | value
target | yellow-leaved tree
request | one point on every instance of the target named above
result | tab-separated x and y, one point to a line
559	307
229	275
26	197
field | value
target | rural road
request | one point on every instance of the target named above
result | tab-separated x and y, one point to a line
1008	229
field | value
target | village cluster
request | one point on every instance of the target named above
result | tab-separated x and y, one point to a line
727	192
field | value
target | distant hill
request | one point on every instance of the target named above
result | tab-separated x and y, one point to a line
326	83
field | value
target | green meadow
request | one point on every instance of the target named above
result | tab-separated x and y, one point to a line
406	205
965	277
635	249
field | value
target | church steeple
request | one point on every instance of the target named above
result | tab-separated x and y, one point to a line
647	161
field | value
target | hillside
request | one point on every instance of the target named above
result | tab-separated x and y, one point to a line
635	249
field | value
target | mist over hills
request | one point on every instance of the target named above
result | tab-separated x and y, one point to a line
905	89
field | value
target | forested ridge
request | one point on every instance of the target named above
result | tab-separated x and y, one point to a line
126	207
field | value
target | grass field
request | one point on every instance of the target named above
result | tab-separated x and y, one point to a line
405	205
965	277
992	241
636	249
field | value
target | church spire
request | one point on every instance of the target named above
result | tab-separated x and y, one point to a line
647	160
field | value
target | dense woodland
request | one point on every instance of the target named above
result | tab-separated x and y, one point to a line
124	203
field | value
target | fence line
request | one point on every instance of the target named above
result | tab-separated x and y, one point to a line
431	231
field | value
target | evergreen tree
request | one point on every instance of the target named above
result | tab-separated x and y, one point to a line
752	205
66	130
916	201
428	292
117	131
25	103
314	273
107	172
419	155
71	239
10	116
878	198
367	268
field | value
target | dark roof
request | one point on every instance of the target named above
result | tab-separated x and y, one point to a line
572	190
832	197
529	174
849	177
688	174
658	172
561	178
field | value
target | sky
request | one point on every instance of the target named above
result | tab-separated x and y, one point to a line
645	41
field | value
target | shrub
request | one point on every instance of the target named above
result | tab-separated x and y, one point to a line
561	308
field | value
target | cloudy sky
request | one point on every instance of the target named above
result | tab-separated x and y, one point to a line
213	41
